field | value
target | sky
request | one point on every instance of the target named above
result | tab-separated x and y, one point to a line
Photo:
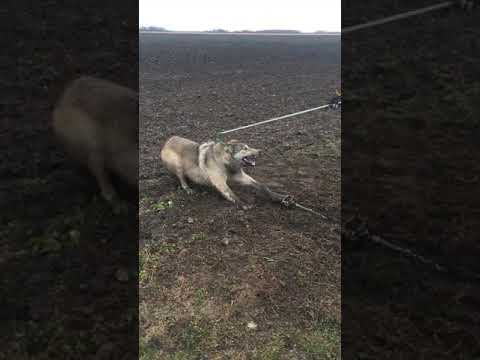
198	15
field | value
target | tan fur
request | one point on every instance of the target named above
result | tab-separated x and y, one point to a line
212	164
97	122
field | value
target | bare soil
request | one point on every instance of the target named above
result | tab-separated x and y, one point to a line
60	245
410	169
207	269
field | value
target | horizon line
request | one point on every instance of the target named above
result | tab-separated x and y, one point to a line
220	30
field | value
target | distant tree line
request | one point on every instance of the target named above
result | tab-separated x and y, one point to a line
279	31
217	31
327	32
272	31
152	28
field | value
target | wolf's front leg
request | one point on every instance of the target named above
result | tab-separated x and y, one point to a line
220	183
243	179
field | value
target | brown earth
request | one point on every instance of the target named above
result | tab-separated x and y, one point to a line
280	268
410	168
60	245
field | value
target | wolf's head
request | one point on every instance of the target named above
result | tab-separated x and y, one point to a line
238	154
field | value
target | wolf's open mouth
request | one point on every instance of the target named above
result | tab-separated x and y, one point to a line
249	160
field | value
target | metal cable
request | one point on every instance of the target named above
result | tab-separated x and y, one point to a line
397	17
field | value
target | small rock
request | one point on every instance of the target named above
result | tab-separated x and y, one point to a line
182	253
190	220
226	241
121	275
252	326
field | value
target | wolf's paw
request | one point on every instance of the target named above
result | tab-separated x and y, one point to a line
246	207
189	191
241	205
288	201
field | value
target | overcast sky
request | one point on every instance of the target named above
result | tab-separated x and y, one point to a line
197	15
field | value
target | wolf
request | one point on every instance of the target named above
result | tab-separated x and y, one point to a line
214	164
97	122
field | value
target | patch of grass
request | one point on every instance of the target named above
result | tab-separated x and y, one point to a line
197	339
149	259
45	244
167	248
273	350
144	200
146	351
148	263
199	236
323	342
59	234
200	297
162	205
182	355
